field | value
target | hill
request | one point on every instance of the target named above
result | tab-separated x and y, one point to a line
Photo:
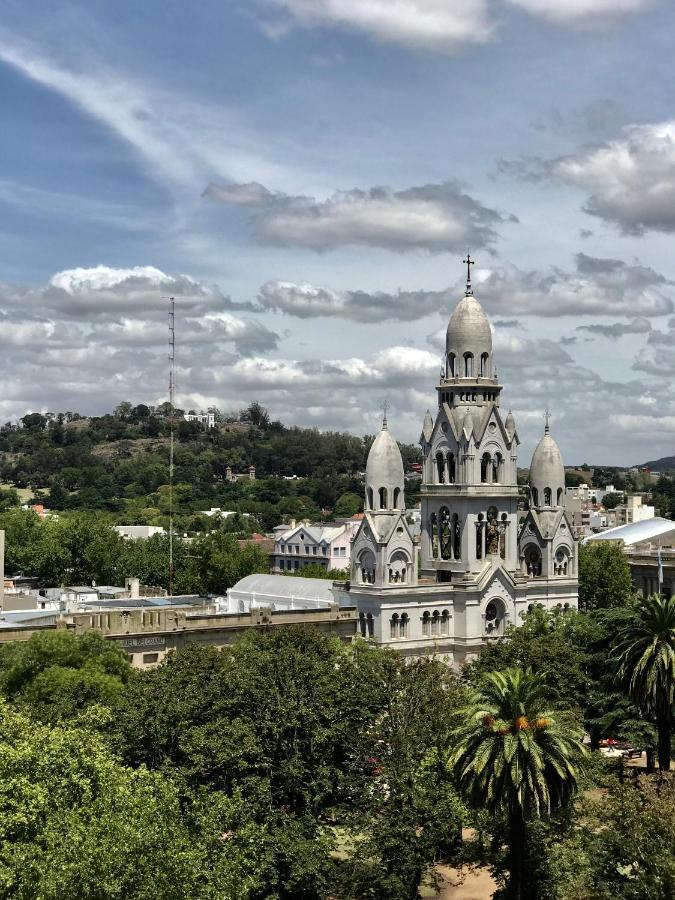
664	464
118	463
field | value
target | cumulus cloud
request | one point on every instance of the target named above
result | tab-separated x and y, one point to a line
432	217
103	332
305	301
616	330
599	286
436	25
630	181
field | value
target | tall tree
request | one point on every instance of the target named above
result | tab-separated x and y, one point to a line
604	576
514	757
646	649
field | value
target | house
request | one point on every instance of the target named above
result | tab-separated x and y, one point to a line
304	544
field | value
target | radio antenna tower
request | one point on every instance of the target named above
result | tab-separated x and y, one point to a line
172	428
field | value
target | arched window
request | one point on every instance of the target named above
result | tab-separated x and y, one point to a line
484	365
403	627
371	505
362	624
456	536
494	617
547	496
397	495
398	568
560	562
484	467
445	622
369	625
435	623
468	365
560	496
426	624
394	626
535	496
492	532
440	467
366	567
383	498
480	525
497	468
445	533
433	535
532	557
452	362
452	469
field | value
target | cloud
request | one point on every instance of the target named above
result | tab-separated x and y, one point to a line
599	286
432	217
177	138
443	26
572	12
93	335
658	357
424	24
619	329
305	301
630	181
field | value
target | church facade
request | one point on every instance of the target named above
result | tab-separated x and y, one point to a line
480	562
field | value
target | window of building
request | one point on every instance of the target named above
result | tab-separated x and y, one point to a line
314	551
403	628
369	625
306	551
445	622
426	624
150	658
394	626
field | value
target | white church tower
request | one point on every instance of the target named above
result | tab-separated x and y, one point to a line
469	487
483	561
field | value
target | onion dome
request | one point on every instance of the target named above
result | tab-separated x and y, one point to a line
547	473
384	473
427	427
468	341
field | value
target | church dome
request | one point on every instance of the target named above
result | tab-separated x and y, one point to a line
547	474
384	473
468	340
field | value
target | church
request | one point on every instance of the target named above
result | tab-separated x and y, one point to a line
479	562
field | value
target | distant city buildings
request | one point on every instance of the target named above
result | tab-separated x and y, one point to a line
239	476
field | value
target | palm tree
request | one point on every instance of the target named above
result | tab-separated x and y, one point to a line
513	757
646	650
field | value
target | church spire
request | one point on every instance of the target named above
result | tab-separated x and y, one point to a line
468	292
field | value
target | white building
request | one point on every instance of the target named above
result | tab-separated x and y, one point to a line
305	544
138	532
208	419
480	567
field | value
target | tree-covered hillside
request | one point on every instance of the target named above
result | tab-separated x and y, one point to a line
118	463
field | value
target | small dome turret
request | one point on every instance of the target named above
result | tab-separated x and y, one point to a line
384	473
510	425
547	473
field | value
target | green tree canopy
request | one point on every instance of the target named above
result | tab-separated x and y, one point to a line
604	576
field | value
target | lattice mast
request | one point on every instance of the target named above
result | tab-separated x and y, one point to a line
172	429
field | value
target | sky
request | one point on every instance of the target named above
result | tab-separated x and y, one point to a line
305	176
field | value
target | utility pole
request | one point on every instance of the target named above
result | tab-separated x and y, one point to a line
172	428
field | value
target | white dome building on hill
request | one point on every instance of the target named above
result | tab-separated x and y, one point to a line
482	563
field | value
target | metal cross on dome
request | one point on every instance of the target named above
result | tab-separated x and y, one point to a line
385	407
547	418
468	262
